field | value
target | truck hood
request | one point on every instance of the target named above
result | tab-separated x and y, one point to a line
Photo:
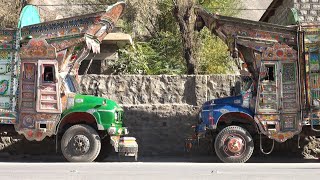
89	99
235	100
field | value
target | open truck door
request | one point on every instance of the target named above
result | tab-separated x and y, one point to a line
278	93
48	99
40	105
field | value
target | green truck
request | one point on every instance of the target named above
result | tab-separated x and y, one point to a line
39	91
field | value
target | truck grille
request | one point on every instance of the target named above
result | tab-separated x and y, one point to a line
120	115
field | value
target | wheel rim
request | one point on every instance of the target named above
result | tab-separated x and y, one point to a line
81	144
234	145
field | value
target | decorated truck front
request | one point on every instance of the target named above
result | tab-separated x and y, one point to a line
279	101
41	93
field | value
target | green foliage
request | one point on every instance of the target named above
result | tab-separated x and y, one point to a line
158	44
213	52
158	52
157	56
213	55
223	7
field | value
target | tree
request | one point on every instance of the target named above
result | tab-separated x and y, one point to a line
156	34
9	13
183	13
213	53
165	28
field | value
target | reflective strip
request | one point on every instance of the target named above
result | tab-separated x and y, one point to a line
101	110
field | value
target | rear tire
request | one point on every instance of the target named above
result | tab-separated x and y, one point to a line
234	144
80	143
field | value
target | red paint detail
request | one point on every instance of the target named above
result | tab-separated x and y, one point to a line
211	119
281	136
279	53
76	118
30	133
73	57
235	145
97	19
39	134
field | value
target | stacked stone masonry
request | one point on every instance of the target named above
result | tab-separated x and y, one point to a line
160	110
308	11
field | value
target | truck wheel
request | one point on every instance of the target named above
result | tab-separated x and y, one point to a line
80	143
234	144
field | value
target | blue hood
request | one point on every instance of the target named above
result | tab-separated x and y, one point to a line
234	100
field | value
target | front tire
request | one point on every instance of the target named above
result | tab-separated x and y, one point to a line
80	143
234	144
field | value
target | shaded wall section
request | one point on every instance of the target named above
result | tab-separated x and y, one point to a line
159	110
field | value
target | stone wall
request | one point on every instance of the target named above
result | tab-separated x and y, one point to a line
162	89
308	11
159	110
282	12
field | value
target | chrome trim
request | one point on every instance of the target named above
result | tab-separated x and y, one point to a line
100	127
101	110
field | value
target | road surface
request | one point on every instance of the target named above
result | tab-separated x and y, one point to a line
157	170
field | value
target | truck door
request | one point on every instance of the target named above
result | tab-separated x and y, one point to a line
48	100
289	100
28	89
278	97
39	92
268	88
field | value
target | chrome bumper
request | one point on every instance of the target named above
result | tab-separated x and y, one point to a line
125	146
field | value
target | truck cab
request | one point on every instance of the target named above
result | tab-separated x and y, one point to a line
40	93
241	102
270	103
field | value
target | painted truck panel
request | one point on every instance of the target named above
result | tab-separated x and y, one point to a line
283	63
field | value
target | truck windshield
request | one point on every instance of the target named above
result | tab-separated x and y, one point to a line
72	84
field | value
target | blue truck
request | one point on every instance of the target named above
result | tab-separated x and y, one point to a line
277	99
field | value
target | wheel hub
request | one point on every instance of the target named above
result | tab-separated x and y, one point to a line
234	145
81	144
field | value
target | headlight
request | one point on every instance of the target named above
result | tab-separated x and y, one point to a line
70	102
112	130
116	116
200	118
119	131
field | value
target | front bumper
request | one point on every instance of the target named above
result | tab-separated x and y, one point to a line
125	146
117	131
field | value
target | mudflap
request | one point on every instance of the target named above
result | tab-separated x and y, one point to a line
193	141
125	146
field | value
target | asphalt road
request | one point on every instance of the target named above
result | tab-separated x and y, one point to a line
163	168
161	171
